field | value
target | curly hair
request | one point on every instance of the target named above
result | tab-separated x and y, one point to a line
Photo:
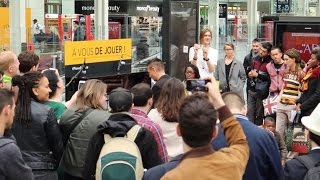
170	99
195	69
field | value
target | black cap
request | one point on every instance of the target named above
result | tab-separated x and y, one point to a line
120	100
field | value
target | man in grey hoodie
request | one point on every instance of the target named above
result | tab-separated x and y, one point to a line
12	165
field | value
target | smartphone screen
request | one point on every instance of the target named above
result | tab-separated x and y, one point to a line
81	83
196	85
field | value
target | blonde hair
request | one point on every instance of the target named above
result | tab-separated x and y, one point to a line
6	59
90	94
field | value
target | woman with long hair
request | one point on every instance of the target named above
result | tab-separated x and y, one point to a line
204	56
165	114
310	85
35	127
78	125
57	89
290	90
230	72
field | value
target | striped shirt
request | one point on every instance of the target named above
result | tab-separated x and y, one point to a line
144	121
291	81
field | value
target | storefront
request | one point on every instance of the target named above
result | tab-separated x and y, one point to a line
164	29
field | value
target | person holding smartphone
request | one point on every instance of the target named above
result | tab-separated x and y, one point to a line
204	56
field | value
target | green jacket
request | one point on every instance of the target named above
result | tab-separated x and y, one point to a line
77	143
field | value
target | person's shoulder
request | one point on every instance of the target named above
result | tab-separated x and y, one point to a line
249	127
8	147
159	171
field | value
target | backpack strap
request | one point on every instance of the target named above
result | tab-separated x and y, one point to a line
307	161
131	134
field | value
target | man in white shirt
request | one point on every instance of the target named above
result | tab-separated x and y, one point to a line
37	30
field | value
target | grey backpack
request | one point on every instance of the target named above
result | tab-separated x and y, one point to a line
313	167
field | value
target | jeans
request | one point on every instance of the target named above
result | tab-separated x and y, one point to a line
255	108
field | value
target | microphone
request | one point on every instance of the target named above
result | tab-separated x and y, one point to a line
121	62
77	74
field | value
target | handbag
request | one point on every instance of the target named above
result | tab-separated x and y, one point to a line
297	137
270	104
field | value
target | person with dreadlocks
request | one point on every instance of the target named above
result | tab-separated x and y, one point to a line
35	127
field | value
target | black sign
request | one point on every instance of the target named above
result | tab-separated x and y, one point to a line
133	8
84	7
87	7
283	6
223	10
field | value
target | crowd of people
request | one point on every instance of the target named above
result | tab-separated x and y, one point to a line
164	131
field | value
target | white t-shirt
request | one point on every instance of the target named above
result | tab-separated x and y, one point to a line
172	141
36	28
201	64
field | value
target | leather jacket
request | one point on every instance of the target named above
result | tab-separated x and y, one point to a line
40	140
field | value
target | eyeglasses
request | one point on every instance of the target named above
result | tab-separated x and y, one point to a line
228	49
189	72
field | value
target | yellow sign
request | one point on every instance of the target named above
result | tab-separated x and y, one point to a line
97	51
5	27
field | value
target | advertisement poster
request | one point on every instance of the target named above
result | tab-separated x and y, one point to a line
303	42
114	30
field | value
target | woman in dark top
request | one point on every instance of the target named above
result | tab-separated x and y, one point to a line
230	72
310	85
191	72
35	127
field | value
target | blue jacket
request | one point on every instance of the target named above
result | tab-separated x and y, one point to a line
157	172
294	169
264	161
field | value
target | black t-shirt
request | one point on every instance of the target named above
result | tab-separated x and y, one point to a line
277	67
228	67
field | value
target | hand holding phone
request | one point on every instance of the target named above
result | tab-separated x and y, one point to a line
196	85
214	93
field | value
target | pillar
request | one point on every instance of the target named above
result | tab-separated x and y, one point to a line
101	19
213	22
252	8
318	8
17	12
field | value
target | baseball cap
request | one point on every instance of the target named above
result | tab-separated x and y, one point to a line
120	100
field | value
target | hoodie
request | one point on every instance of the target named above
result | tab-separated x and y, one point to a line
118	125
12	165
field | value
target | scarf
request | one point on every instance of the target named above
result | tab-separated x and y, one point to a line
310	73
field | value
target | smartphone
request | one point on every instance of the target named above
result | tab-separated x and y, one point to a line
81	83
197	85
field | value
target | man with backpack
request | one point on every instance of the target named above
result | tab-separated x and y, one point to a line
120	145
307	167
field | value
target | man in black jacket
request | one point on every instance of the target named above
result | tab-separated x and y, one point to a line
296	168
258	72
248	60
118	124
156	72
